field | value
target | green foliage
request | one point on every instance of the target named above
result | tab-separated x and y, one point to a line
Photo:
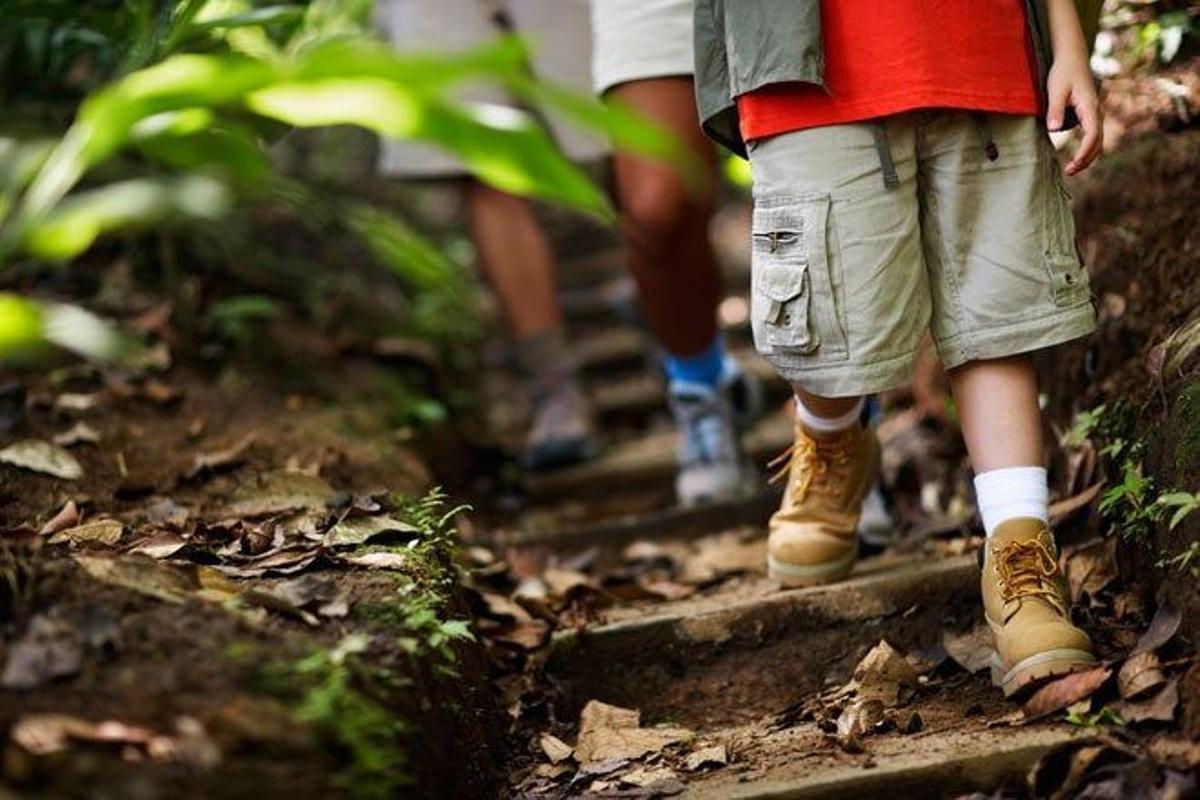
1186	561
1184	504
1127	505
236	319
1084	719
1085	423
370	736
1163	36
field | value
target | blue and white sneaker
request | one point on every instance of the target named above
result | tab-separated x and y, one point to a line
712	466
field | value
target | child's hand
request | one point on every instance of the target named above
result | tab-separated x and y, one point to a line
1070	84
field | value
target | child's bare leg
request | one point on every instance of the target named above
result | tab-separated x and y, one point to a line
1002	425
1024	594
998	405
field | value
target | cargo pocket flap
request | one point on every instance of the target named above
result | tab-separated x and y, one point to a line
782	282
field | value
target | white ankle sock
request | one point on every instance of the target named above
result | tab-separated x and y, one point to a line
825	424
1010	493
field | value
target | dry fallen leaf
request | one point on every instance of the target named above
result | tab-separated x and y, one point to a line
1061	693
1091	567
971	650
1158	707
215	460
44	734
858	719
75	402
141	574
41	456
1162	629
529	635
609	732
555	749
499	607
67	517
79	433
714	756
883	674
655	781
727	553
1067	507
277	492
360	530
1139	675
100	531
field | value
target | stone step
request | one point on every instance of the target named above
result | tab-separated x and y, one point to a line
750	648
613	533
946	759
591	269
614	349
649	460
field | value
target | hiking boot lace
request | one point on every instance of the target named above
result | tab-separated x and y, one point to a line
810	464
1028	569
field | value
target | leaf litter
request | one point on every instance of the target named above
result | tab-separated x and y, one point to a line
38	455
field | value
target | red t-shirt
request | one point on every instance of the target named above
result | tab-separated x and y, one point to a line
899	55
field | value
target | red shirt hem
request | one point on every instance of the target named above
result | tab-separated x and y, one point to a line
760	123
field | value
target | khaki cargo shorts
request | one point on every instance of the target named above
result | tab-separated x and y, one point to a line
848	275
639	39
559	36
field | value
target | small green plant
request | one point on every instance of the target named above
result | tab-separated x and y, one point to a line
1084	425
1105	716
237	319
425	635
1184	504
1127	505
371	738
1187	561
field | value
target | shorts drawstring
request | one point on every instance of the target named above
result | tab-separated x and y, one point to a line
890	179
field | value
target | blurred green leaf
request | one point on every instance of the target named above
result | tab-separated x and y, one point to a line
22	328
224	148
71	227
410	256
26	325
501	145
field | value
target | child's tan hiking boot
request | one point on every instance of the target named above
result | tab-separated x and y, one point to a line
1027	605
813	536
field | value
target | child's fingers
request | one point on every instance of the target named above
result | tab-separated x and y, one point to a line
1056	102
1093	136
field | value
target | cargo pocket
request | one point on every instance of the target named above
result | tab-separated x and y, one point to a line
1068	279
793	297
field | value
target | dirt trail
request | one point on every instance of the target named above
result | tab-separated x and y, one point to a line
609	597
243	590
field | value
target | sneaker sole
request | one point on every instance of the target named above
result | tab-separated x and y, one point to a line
798	576
1038	669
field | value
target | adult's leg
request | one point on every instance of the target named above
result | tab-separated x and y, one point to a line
516	259
666	224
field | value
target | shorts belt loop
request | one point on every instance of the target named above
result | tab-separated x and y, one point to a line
890	179
983	125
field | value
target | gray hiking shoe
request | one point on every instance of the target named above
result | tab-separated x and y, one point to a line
561	431
712	466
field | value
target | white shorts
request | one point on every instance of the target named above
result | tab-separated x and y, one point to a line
639	39
559	37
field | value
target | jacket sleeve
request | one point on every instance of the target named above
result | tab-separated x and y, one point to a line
714	93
